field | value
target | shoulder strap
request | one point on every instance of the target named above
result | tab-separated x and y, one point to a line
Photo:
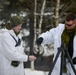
17	42
70	45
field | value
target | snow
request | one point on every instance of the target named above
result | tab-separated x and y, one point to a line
34	72
28	71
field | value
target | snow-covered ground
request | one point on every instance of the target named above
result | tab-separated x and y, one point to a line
35	72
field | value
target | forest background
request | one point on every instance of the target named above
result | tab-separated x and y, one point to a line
39	16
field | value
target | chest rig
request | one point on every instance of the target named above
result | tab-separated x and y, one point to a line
16	63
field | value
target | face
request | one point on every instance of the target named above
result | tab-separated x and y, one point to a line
70	24
17	28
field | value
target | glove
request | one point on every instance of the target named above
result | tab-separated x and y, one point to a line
74	60
39	41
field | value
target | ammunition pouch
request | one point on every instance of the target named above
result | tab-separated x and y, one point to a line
15	63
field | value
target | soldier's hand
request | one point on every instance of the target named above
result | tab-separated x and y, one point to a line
31	58
39	41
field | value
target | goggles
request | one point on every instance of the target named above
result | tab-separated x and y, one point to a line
69	24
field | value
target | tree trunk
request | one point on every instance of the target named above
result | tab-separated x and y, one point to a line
41	16
32	62
57	13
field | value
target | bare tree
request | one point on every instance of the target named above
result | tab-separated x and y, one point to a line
40	23
32	62
57	13
41	17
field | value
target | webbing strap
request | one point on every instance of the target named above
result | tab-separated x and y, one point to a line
17	42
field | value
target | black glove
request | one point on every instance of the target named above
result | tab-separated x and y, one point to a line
39	41
74	60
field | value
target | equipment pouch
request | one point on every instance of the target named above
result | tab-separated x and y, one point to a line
15	63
